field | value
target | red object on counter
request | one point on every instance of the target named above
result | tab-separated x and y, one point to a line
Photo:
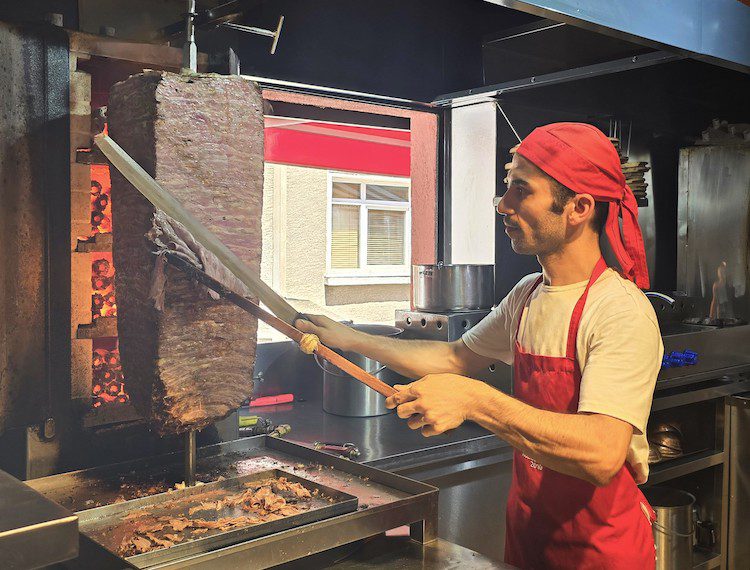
272	400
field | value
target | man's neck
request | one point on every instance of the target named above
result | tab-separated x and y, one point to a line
572	264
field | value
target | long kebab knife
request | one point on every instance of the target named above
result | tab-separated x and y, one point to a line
160	198
296	335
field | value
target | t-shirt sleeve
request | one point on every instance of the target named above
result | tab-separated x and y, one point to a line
493	335
619	375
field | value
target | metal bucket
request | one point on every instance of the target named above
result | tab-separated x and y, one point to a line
674	527
344	395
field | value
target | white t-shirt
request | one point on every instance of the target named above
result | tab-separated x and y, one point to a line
619	347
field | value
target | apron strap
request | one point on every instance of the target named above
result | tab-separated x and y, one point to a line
525	301
575	319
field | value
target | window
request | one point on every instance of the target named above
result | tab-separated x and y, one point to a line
369	230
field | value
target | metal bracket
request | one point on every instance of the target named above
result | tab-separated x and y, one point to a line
259	31
490	92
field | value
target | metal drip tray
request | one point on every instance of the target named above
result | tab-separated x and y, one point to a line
366	501
112	524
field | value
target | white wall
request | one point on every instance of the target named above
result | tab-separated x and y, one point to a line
473	182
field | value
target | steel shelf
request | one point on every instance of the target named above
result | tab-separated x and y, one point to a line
674	468
705	559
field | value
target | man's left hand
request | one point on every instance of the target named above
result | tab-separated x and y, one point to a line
436	403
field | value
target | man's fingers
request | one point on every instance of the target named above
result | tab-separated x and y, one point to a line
429	430
403	395
408	409
416	421
305	326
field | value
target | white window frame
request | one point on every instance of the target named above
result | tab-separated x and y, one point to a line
368	274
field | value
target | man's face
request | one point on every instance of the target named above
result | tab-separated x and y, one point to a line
533	228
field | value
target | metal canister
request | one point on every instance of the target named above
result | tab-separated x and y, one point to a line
344	395
674	527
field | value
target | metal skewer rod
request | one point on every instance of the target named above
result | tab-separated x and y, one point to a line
190	458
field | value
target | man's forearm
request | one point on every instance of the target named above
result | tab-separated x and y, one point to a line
410	358
574	444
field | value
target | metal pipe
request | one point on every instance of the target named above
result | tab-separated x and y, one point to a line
662	296
190	458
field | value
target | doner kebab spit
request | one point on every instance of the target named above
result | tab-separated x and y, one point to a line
285	314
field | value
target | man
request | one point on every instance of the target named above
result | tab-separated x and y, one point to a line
585	346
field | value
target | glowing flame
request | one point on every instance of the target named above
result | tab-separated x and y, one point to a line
103	302
101	201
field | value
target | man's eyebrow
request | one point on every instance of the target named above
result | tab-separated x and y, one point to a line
518	181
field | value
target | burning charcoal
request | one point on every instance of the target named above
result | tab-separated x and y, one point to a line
101	202
105	226
99	357
96	218
105	375
112	359
100	267
100	283
97	303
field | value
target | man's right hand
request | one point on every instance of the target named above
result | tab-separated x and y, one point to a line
331	333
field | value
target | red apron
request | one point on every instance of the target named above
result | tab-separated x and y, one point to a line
556	521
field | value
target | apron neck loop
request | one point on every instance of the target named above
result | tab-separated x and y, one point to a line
575	319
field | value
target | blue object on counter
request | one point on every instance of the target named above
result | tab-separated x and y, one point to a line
677	359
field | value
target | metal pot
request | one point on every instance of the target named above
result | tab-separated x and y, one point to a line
442	288
674	527
344	395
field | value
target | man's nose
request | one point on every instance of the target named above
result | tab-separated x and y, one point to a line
501	205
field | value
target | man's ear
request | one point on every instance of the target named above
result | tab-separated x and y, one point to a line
583	209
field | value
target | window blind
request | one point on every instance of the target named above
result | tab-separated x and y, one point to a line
385	237
345	237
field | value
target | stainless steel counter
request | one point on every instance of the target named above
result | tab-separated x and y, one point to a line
384	441
400	553
34	531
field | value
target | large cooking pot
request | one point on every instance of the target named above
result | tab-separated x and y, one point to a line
344	395
461	287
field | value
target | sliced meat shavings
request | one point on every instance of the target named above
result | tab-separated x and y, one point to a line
262	501
204	507
161	542
141	544
180	524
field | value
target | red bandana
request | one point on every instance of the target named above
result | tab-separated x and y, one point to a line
581	158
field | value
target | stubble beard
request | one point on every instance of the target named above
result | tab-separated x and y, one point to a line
546	239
